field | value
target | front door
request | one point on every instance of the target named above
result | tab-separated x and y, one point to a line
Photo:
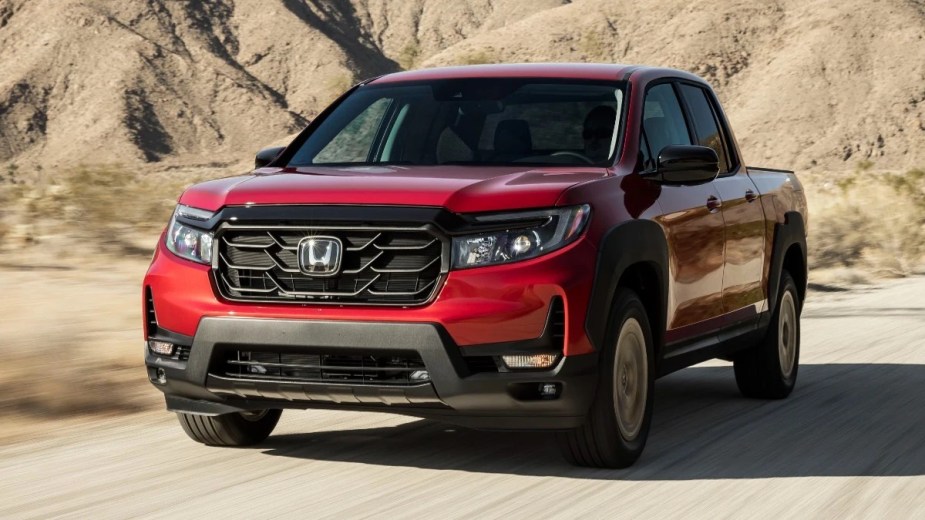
693	222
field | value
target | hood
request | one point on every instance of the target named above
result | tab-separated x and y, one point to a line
461	189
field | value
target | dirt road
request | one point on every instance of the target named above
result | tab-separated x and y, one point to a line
849	442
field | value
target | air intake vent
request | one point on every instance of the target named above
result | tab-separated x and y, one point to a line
182	353
150	316
557	322
399	369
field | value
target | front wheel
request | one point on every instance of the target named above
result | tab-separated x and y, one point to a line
769	370
617	425
230	429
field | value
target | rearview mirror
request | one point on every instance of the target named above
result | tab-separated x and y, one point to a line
685	164
267	156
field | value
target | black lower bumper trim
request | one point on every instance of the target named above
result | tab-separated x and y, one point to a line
484	400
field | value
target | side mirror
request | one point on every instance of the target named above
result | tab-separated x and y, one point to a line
267	156
685	164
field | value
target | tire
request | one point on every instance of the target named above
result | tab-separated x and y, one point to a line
769	370
232	429
617	426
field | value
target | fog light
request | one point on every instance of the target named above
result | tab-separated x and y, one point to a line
161	348
161	376
420	375
531	361
549	390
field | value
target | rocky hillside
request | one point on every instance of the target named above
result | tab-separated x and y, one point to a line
819	85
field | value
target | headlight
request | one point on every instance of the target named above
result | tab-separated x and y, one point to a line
188	242
554	229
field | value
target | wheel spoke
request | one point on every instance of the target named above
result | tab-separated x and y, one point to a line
786	334
630	379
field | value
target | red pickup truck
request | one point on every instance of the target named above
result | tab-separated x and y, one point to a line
520	247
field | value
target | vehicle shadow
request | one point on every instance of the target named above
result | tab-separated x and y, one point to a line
842	420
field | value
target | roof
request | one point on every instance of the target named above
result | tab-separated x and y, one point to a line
589	71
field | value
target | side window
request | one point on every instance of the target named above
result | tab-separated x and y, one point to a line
705	123
354	142
662	121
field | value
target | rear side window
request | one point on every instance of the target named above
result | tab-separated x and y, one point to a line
662	122
705	123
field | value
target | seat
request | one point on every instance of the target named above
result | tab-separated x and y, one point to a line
512	140
451	148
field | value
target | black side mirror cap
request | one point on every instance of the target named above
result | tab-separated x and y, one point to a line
267	155
685	164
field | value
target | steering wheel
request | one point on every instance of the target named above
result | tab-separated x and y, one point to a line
577	155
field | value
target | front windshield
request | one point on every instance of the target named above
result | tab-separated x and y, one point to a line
470	121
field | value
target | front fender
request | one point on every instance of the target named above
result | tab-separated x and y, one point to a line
623	246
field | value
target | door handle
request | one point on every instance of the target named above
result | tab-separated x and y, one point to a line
750	196
714	204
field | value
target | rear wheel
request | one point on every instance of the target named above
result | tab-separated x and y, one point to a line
617	426
231	429
769	369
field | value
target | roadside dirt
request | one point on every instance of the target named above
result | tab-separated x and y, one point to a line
71	343
846	443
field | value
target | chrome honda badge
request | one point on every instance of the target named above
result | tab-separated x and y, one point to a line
320	256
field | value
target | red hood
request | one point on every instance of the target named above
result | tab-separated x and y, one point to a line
462	189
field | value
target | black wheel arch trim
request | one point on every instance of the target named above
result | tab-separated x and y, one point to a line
623	246
786	234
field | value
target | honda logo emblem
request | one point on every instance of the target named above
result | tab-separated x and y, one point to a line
320	256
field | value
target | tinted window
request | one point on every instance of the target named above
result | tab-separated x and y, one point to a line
553	126
705	124
353	143
663	121
470	121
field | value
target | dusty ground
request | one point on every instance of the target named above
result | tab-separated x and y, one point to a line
71	342
846	444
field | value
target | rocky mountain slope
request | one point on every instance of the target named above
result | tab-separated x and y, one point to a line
818	84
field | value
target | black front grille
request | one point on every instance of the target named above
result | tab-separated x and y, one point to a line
378	266
399	369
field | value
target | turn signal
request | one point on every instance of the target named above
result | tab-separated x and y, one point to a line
161	348
530	361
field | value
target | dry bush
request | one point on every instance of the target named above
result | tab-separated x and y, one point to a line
409	55
112	207
874	221
482	56
106	198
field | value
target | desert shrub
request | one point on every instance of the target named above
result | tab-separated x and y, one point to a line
477	57
869	220
409	55
104	198
112	205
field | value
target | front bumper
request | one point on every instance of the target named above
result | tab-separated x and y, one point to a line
492	400
486	311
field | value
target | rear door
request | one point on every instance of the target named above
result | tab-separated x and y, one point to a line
693	224
743	293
